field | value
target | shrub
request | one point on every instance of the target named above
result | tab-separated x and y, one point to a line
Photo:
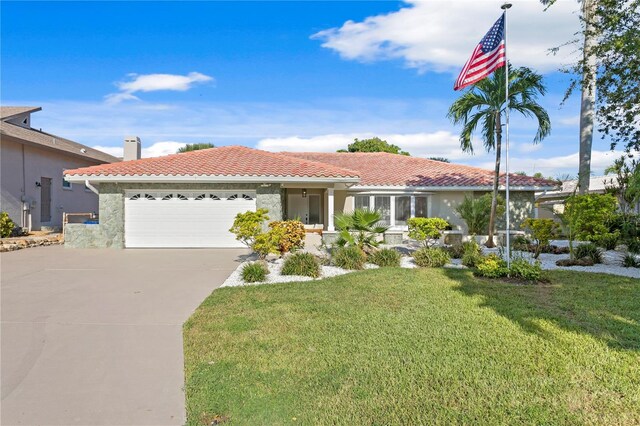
303	264
254	272
426	229
360	228
590	251
608	241
431	257
471	253
521	243
492	266
455	251
349	257
630	261
585	261
266	243
476	211
628	225
248	225
385	257
542	231
6	225
525	270
588	215
290	234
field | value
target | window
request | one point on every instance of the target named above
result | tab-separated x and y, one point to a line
66	184
403	210
383	206
182	197
421	207
167	197
362	202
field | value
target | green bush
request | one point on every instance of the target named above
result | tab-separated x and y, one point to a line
471	253
266	243
426	229
628	225
254	272
385	257
248	225
588	216
349	257
590	251
476	211
303	264
630	261
361	228
431	257
6	225
491	266
542	231
455	251
608	241
290	234
525	270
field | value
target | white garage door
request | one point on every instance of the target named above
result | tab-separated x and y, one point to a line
183	218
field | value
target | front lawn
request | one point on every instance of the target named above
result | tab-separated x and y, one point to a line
427	346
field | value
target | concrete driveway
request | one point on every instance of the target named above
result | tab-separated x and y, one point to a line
95	336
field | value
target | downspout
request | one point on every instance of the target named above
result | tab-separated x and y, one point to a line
91	187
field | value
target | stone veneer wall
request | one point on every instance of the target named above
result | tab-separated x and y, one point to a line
110	231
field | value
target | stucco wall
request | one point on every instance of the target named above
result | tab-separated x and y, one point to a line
18	183
443	205
110	231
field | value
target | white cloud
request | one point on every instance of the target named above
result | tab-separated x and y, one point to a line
157	149
153	83
573	120
436	144
440	35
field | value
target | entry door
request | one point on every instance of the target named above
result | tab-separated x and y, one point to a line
307	209
314	209
45	199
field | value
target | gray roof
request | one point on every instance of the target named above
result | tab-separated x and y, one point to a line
54	142
11	111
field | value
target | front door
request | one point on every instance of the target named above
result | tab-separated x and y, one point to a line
306	209
45	200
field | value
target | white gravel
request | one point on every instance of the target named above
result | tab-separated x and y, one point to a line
547	261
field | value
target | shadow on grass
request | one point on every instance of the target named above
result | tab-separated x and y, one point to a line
606	307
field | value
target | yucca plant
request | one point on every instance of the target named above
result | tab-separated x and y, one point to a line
361	228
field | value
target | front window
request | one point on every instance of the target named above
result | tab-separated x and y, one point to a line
362	202
421	207
383	206
403	210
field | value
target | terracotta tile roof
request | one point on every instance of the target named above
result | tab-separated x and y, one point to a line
223	161
383	169
53	142
11	111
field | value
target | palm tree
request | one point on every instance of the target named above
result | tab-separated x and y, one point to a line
484	104
361	228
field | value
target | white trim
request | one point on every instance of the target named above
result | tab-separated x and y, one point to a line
411	189
206	178
330	209
412	213
392	211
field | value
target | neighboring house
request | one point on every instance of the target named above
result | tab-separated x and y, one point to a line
191	199
551	203
32	163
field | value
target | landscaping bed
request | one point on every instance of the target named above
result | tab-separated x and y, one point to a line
417	346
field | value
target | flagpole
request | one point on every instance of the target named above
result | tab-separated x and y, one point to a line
505	7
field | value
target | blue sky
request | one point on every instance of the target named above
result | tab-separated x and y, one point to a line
277	75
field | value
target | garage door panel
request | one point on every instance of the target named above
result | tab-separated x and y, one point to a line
199	219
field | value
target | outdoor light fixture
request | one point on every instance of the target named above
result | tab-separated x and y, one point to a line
38	184
304	193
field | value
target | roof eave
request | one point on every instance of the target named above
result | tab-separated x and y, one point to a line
444	188
207	179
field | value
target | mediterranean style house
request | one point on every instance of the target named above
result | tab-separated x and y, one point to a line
33	190
191	199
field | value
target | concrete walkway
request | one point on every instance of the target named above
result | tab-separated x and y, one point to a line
95	336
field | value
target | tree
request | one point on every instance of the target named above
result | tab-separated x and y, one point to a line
608	75
624	186
374	144
441	159
484	103
194	147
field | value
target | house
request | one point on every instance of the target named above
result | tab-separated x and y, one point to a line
191	199
551	203
33	191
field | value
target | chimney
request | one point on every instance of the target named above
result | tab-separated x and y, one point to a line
131	148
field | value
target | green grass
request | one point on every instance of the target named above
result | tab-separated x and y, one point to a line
428	346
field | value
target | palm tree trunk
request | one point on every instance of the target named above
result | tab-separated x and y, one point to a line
496	182
588	98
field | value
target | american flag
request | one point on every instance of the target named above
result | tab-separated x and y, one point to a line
487	57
